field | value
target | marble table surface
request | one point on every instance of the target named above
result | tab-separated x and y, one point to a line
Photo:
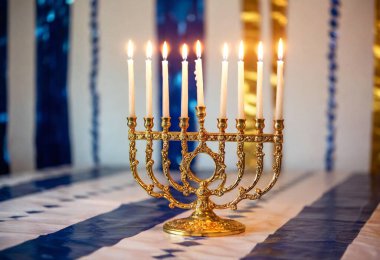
102	213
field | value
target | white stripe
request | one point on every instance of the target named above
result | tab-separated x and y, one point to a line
355	85
266	219
220	14
119	21
305	90
13	232
79	92
367	244
21	85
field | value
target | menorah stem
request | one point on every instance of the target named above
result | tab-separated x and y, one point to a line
203	221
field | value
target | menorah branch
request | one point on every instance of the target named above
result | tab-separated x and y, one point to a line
211	137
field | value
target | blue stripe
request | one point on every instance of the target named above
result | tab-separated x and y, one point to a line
4	160
90	235
179	22
52	122
26	188
324	229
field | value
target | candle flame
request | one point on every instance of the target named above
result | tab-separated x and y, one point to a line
241	50
198	49
149	50
280	51
165	51
225	51
260	52
130	49
185	51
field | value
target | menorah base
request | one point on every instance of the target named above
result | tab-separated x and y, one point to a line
206	224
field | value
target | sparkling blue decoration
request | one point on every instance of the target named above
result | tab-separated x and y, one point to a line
332	79
94	37
52	45
4	158
179	22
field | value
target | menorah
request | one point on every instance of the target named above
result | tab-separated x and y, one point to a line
203	221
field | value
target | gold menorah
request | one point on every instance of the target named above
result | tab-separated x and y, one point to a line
203	221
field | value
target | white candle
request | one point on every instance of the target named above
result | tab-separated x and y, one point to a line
223	87
184	96
259	86
131	80
280	82
199	75
241	114
165	82
148	79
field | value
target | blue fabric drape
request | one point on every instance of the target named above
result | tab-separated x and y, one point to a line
179	22
4	159
52	45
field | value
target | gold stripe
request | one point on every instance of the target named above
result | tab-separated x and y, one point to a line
279	21
251	18
375	162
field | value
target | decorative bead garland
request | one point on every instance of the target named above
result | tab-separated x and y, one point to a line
94	36
332	79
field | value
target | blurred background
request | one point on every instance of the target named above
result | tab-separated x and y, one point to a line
64	82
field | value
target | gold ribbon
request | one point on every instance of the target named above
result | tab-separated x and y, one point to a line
279	21
375	162
252	19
